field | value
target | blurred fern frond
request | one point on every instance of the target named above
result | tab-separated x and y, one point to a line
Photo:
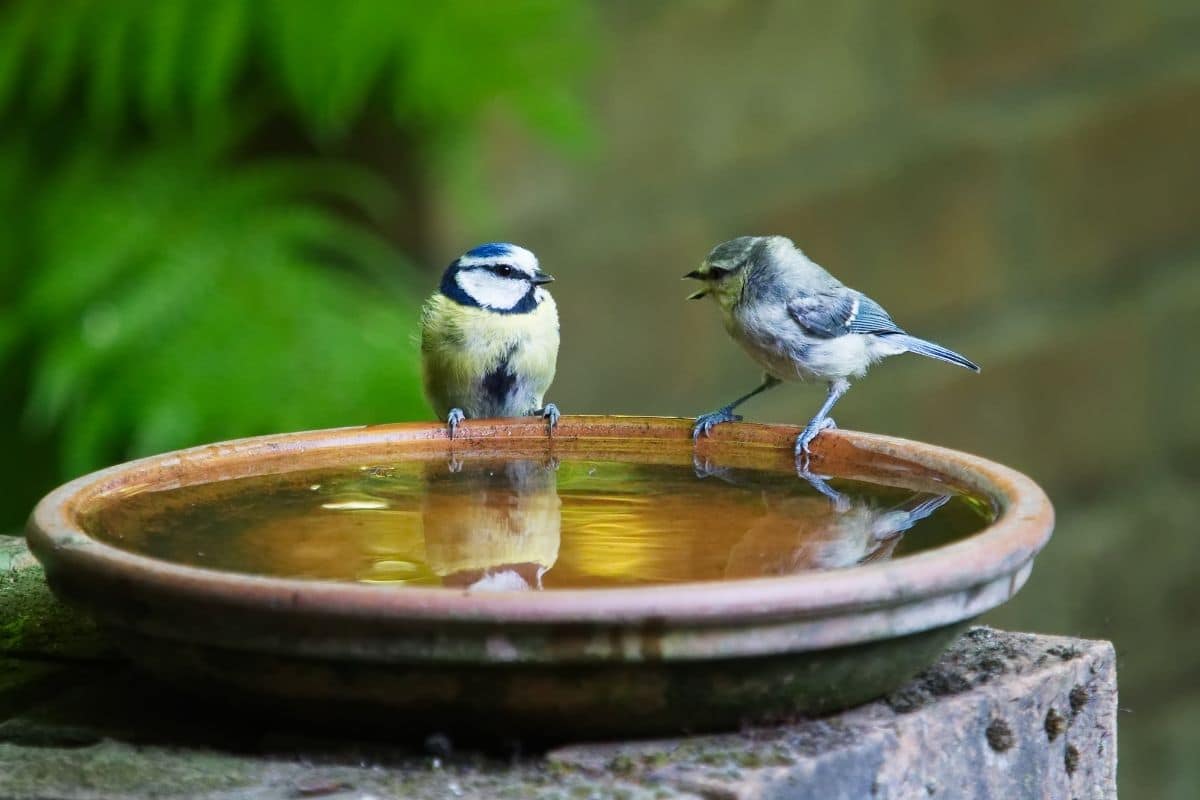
183	308
173	64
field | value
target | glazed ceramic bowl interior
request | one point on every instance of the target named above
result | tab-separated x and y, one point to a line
569	662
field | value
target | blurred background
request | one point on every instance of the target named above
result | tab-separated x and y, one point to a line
218	218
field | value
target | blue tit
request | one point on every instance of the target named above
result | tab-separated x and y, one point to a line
489	337
799	323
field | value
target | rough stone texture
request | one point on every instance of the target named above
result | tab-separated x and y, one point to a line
1001	715
973	726
32	621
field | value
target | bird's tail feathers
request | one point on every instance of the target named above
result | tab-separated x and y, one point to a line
914	345
907	514
919	510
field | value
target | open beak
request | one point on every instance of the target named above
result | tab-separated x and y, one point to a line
540	277
696	275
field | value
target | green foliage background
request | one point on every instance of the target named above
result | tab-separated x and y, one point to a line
203	228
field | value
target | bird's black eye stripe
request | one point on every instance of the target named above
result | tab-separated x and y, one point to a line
716	273
503	270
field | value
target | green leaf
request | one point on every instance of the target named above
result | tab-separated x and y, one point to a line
58	46
17	27
107	93
166	26
364	36
221	42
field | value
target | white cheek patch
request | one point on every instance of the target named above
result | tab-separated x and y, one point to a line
490	290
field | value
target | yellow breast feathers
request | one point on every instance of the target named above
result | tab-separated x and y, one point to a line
487	363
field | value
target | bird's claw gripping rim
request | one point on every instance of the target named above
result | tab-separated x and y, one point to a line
551	414
453	419
810	432
706	422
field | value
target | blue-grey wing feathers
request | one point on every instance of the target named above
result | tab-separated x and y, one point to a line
828	315
838	313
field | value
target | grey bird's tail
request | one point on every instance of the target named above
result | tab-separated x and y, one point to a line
919	511
914	345
905	515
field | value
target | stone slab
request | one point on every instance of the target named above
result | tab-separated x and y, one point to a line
1001	715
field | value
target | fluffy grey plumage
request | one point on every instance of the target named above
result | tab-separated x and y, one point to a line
800	323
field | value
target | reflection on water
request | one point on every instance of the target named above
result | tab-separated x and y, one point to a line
795	534
492	526
521	524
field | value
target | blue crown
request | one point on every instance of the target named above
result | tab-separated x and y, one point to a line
490	250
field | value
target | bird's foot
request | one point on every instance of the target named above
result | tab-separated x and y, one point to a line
811	431
454	419
706	422
549	412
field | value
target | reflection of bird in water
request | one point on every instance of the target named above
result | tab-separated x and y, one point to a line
492	526
800	533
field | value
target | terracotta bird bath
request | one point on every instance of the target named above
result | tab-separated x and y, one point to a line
463	646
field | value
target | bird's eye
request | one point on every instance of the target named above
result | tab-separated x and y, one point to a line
716	273
503	270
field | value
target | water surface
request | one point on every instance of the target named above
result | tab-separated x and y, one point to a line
522	524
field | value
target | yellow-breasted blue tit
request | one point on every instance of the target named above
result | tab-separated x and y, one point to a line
489	337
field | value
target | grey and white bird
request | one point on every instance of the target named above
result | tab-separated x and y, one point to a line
800	324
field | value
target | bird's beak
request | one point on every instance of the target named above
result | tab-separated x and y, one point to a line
696	275
540	277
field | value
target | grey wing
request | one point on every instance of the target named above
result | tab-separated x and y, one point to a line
837	313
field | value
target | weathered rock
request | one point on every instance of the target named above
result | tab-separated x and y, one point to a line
1000	715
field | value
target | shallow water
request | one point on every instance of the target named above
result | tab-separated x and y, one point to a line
520	524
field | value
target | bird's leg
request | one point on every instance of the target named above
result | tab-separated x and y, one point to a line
453	419
820	422
549	412
706	422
